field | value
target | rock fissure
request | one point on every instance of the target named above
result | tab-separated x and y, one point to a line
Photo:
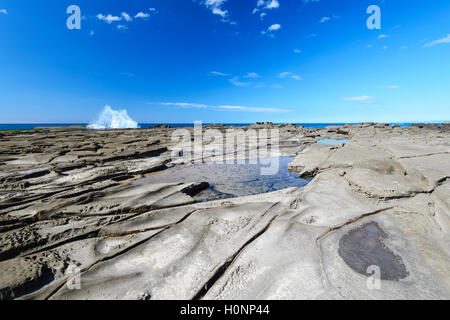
228	263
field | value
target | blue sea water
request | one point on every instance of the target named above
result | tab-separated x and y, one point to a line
28	126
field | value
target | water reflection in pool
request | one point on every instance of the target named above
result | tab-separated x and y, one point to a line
231	180
332	141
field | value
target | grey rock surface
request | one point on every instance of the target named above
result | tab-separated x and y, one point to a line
88	206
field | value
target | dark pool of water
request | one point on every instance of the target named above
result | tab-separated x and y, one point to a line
364	247
231	180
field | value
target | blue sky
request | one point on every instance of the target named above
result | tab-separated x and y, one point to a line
225	61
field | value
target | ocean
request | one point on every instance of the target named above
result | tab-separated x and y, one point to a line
28	126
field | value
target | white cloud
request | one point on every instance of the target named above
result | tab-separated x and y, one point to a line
266	5
277	86
262	5
385	48
404	48
326	19
252	75
221	74
235	81
290	75
362	99
272	28
126	16
439	41
220	12
389	86
142	15
383	36
109	18
297	51
272	4
222	107
3	11
216	7
91	33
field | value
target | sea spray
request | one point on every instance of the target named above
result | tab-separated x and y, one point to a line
112	119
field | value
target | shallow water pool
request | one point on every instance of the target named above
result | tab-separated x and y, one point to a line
231	180
332	141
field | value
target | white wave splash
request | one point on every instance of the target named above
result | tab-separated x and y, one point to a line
112	119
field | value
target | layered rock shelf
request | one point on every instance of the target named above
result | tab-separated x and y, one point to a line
71	205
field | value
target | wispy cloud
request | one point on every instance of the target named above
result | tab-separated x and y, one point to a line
389	87
109	18
268	4
125	17
252	75
142	15
361	99
271	29
216	7
219	74
3	11
221	107
326	19
297	51
439	41
235	81
262	6
383	36
290	75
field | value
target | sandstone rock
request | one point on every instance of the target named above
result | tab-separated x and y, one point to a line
76	198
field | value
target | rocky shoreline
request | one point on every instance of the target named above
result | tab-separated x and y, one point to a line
382	199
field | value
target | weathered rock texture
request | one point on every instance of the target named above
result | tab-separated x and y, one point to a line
68	211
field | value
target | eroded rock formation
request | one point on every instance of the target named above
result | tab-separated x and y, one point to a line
70	200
